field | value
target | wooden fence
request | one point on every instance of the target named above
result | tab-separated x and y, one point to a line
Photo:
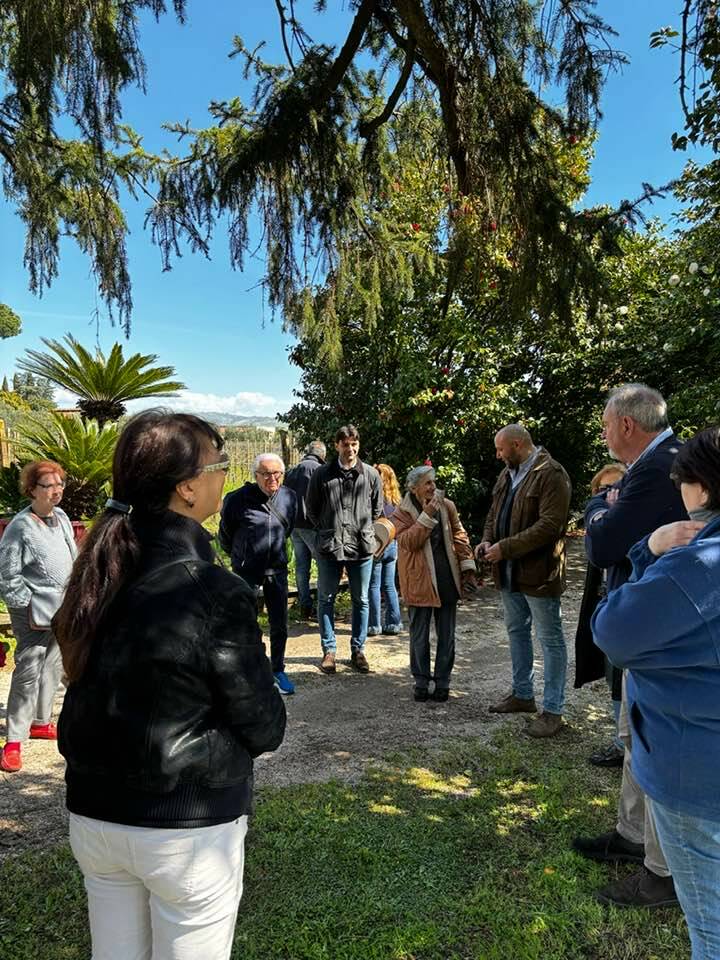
241	452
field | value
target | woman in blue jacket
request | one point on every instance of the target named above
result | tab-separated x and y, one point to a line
664	626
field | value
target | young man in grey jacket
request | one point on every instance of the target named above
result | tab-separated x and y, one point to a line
343	501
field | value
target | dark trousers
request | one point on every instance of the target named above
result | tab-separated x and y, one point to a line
420	619
275	596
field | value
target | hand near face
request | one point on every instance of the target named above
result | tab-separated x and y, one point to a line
612	496
431	505
671	535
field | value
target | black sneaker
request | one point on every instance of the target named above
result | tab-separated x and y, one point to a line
420	694
641	889
440	696
611	756
609	846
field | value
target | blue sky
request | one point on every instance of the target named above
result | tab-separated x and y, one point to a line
207	320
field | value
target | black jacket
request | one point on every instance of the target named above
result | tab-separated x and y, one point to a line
298	479
338	539
252	533
177	697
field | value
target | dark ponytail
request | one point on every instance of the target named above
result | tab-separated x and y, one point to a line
156	450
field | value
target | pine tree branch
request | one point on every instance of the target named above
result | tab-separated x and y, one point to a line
283	33
367	127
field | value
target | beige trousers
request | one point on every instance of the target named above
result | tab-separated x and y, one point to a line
635	818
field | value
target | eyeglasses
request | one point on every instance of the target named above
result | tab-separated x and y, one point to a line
51	486
274	475
223	464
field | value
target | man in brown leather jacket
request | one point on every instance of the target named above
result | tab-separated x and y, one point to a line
524	540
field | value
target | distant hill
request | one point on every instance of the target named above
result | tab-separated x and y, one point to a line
236	420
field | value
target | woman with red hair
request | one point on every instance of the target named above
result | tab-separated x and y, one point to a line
36	557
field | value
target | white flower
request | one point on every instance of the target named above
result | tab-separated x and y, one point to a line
706	292
693	268
619	326
622	311
667	346
706	270
674	280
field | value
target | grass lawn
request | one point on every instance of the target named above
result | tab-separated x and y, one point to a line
459	854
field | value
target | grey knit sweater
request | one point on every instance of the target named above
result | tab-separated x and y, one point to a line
35	562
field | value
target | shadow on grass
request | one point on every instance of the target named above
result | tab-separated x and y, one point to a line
461	853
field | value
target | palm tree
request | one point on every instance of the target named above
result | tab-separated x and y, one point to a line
103	384
83	448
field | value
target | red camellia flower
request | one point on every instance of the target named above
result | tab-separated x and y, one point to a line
493	225
572	140
427	462
492	284
446	370
433	390
460	422
416	227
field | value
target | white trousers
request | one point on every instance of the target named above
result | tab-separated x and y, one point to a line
160	894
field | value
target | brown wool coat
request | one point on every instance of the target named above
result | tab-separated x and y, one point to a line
418	581
538	521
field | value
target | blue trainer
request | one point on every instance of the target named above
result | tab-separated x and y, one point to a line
283	683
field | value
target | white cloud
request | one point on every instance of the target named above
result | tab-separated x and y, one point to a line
244	403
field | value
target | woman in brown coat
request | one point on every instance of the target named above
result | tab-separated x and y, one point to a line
434	562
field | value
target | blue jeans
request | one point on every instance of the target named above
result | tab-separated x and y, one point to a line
329	571
304	548
382	582
692	849
521	611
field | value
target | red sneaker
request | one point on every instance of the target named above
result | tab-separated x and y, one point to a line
11	761
43	731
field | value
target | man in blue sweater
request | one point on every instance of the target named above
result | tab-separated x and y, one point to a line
636	431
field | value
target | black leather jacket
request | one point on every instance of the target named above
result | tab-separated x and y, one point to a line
178	695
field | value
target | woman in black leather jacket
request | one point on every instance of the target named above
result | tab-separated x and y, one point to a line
170	697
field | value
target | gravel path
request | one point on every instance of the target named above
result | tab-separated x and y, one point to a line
338	726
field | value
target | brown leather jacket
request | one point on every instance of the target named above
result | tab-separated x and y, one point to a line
418	583
538	521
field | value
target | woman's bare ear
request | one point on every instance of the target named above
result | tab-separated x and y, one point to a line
186	491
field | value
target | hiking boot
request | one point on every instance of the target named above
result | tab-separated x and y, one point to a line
513	704
43	731
611	756
546	725
610	846
641	889
11	760
327	664
420	694
358	661
283	683
440	696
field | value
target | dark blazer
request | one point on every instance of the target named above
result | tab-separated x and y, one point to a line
178	695
648	499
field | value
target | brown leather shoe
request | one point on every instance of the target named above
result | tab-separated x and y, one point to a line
327	664
513	704
641	889
546	725
358	661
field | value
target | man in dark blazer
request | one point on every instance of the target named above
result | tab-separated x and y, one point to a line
635	428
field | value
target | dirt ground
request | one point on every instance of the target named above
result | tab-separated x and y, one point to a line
340	725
